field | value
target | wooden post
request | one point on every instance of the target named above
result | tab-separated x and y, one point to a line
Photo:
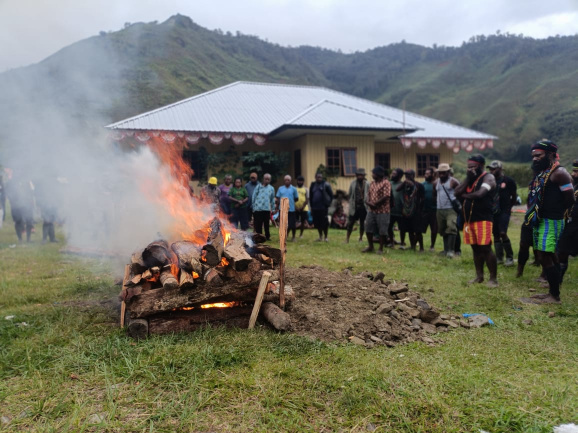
283	222
125	280
259	299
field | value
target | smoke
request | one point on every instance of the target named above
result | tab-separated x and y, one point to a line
52	118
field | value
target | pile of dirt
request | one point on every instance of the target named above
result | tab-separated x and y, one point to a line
364	309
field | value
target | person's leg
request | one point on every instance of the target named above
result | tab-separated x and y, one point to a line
303	220
258	222
51	234
479	260
318	222
326	224
371	225
524	251
552	272
362	216
291	226
417	229
382	228
491	262
434	230
389	230
244	218
451	232
350	223
45	231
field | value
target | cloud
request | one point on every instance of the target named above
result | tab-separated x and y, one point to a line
349	25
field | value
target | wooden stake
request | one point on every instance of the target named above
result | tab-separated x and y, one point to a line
259	299
283	222
125	280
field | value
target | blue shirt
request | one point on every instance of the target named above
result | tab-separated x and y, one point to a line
250	187
289	192
263	198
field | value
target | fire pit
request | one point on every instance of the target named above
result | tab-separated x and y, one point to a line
188	284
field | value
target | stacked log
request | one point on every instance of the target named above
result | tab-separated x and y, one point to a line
165	283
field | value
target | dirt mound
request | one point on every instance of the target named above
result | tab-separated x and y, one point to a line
365	309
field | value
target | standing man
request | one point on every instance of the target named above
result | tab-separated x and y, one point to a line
446	215
413	199
289	191
478	191
396	208
302	206
224	201
378	201
568	244
551	194
20	192
507	194
239	208
430	207
357	207
263	204
211	193
250	187
321	196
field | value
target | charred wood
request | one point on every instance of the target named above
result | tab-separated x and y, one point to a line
215	245
280	320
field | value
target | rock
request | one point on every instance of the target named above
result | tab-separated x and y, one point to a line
423	304
310	317
531	290
528	322
439	322
464	324
329	286
384	308
428	315
444	316
334	294
370	427
416	322
452	324
429	328
427	340
317	294
551	314
376	339
398	288
4	420
394	314
366	274
379	277
478	321
357	340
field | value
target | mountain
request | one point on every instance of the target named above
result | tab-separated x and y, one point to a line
515	87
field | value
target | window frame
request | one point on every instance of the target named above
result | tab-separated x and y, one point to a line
377	154
343	168
420	172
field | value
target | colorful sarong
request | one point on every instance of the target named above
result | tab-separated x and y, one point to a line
478	233
547	234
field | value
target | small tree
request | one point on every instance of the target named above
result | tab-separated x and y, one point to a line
276	164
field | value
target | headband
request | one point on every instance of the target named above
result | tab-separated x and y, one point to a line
478	158
545	145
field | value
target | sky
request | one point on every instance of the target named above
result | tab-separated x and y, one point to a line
31	30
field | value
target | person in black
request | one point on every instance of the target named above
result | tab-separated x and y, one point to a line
507	193
526	242
478	191
20	193
321	195
551	195
568	244
357	210
412	210
46	192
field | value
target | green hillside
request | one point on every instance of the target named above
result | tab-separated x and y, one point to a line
517	88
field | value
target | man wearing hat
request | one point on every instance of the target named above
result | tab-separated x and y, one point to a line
551	195
478	194
446	215
568	244
378	202
507	194
210	193
357	207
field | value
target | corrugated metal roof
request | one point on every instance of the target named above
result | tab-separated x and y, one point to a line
261	108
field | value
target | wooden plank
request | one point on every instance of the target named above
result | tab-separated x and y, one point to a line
283	221
125	280
259	299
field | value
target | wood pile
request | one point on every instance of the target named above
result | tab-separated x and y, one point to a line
184	285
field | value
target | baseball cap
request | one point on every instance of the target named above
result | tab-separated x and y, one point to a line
495	164
213	181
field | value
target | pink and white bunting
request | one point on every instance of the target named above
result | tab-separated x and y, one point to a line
193	138
238	139
216	138
259	139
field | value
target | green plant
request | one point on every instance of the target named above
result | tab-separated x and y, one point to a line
275	164
330	175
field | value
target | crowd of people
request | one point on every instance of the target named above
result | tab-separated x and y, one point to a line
26	196
476	210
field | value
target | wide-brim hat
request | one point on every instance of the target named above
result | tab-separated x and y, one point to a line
444	167
360	171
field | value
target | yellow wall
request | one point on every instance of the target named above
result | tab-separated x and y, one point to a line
407	158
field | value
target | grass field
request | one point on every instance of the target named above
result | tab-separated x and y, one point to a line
65	366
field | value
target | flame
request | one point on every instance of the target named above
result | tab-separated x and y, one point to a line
195	275
189	214
175	270
220	305
224	262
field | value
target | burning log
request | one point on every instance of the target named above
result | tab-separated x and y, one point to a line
215	245
156	254
138	328
273	253
280	320
236	252
186	280
185	321
189	256
212	277
168	280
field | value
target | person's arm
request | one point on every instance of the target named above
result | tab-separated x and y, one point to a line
245	197
386	195
513	193
295	195
254	194
563	180
454	183
306	198
272	198
488	184
460	190
329	190
401	186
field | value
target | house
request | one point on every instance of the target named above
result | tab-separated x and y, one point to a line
316	125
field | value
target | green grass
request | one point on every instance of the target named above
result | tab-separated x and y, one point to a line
73	370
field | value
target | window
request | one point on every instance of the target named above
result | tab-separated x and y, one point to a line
426	160
383	160
341	162
192	158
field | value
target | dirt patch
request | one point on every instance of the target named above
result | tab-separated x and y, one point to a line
365	309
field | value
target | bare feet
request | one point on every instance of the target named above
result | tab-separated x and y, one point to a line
492	283
476	280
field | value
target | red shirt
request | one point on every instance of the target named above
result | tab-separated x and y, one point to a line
377	191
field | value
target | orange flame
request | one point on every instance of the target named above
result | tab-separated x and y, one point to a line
220	305
195	275
190	215
224	262
175	270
